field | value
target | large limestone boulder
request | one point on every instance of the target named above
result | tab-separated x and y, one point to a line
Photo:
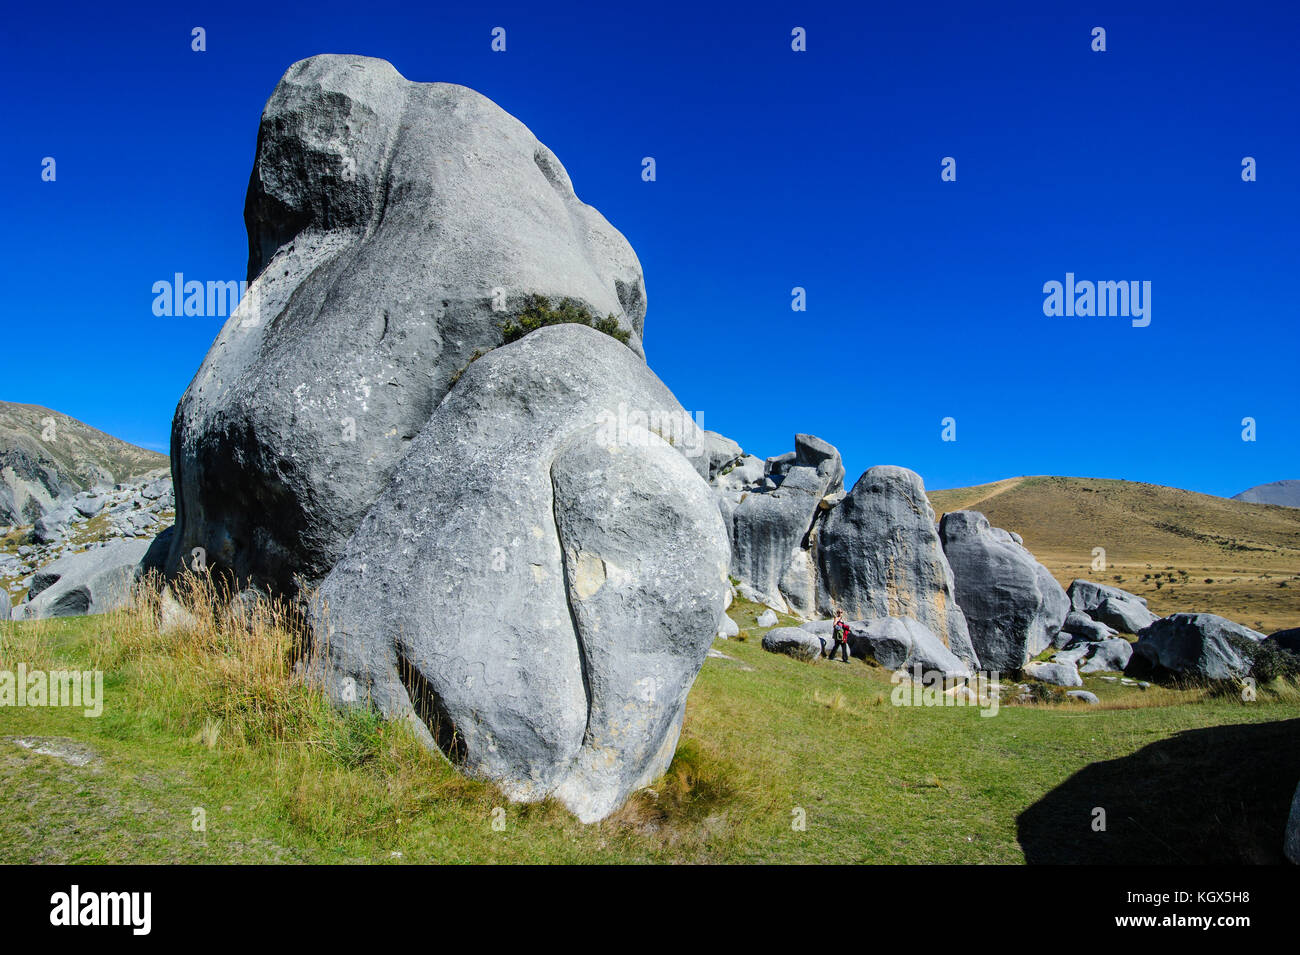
1014	607
1193	647
772	529
387	222
878	555
537	587
91	581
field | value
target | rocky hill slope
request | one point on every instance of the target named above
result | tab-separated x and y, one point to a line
47	457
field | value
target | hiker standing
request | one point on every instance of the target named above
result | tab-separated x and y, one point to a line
840	633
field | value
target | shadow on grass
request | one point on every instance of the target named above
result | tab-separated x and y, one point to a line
1211	796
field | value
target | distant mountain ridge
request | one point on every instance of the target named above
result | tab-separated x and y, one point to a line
46	456
1283	493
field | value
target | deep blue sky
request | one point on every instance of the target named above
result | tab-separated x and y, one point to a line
775	169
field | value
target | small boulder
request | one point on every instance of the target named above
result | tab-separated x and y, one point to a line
1286	639
1083	696
92	581
1087	596
901	643
767	618
1060	674
1079	624
1126	616
1108	656
794	642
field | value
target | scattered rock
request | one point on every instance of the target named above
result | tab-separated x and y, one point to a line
767	619
93	581
1060	674
1079	624
1083	696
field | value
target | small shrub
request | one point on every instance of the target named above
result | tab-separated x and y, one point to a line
539	313
1268	661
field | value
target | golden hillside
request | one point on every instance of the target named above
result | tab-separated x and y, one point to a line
1181	550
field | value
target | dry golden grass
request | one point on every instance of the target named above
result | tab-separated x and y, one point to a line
1181	550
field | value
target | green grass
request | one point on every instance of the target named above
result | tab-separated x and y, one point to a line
218	723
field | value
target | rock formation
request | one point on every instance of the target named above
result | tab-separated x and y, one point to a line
537	588
1013	606
392	227
878	555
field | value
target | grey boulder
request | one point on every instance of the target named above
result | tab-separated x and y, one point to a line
771	529
1193	647
767	618
1087	596
901	643
1060	674
393	227
1083	696
92	581
878	555
1108	656
1125	616
535	590
794	642
1014	607
1079	624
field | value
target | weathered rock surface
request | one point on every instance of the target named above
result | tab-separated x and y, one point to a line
878	555
1079	624
771	529
793	641
1087	596
1107	656
1125	616
1014	607
385	220
534	591
1194	647
1060	674
92	581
